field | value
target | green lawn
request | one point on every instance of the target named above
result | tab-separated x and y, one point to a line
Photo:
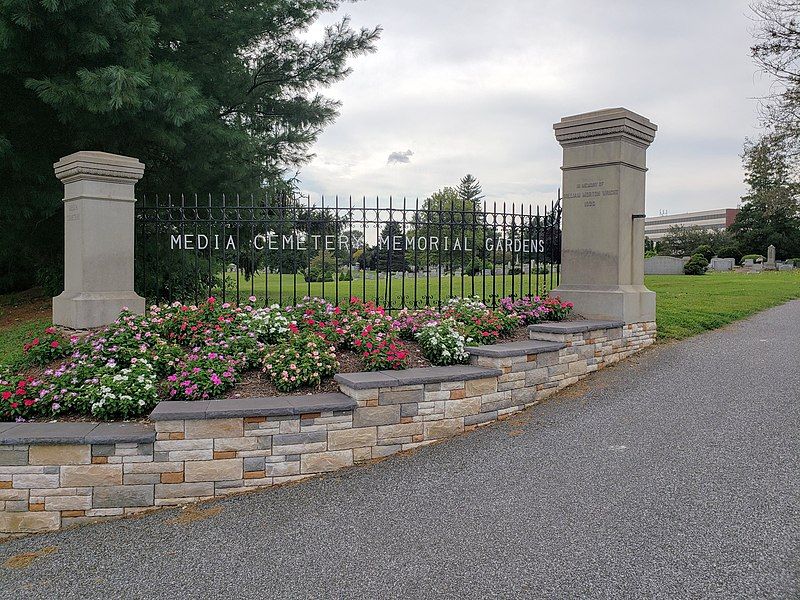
685	305
688	305
284	288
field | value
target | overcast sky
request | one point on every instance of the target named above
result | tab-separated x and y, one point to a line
470	86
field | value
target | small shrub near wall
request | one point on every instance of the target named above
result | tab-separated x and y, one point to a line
697	265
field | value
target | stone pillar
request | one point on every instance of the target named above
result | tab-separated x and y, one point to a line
602	247
98	239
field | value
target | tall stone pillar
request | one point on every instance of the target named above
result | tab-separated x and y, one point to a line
602	247
98	239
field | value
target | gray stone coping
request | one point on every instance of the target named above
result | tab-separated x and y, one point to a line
574	326
523	348
252	407
75	433
419	375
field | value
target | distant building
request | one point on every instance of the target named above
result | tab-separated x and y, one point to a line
718	219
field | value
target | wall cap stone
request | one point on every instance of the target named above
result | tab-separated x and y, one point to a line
574	326
75	433
523	348
416	376
252	407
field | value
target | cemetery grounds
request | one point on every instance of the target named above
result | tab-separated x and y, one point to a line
685	306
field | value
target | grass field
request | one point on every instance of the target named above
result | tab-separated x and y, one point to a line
284	288
685	306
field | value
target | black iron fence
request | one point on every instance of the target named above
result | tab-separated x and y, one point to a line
397	253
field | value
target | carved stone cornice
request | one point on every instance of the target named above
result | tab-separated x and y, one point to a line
99	166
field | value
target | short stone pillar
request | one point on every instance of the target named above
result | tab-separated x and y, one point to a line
770	265
98	239
602	245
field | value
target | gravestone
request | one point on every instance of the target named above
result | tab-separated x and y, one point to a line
721	264
748	262
663	265
98	239
770	264
602	248
785	266
757	268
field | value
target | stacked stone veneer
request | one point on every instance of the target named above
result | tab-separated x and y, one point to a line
54	475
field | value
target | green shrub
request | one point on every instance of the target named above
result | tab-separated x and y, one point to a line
697	265
302	360
730	252
345	276
794	261
442	344
705	250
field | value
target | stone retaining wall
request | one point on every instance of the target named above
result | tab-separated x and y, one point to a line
55	475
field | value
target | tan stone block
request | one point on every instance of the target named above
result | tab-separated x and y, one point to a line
254	475
68	503
72	513
36	506
362	455
352	438
322	462
29	522
255	419
99	460
91	475
462	408
237	444
397	431
172	477
13	494
5	485
282	469
169	426
214	428
444	428
35	480
60	454
478	387
213	470
176	435
222	454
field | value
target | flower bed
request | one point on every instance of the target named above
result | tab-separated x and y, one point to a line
181	352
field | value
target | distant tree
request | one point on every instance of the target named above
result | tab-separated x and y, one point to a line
469	189
390	254
705	250
455	222
770	212
777	53
683	241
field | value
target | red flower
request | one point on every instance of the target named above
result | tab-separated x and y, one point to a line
29	402
54	344
7	395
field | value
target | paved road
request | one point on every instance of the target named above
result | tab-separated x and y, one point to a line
672	475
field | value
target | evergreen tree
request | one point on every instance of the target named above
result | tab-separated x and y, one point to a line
212	96
390	254
770	213
469	189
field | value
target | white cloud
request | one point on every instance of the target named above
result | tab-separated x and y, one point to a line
475	87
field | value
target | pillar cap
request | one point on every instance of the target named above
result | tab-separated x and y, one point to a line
99	166
604	125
